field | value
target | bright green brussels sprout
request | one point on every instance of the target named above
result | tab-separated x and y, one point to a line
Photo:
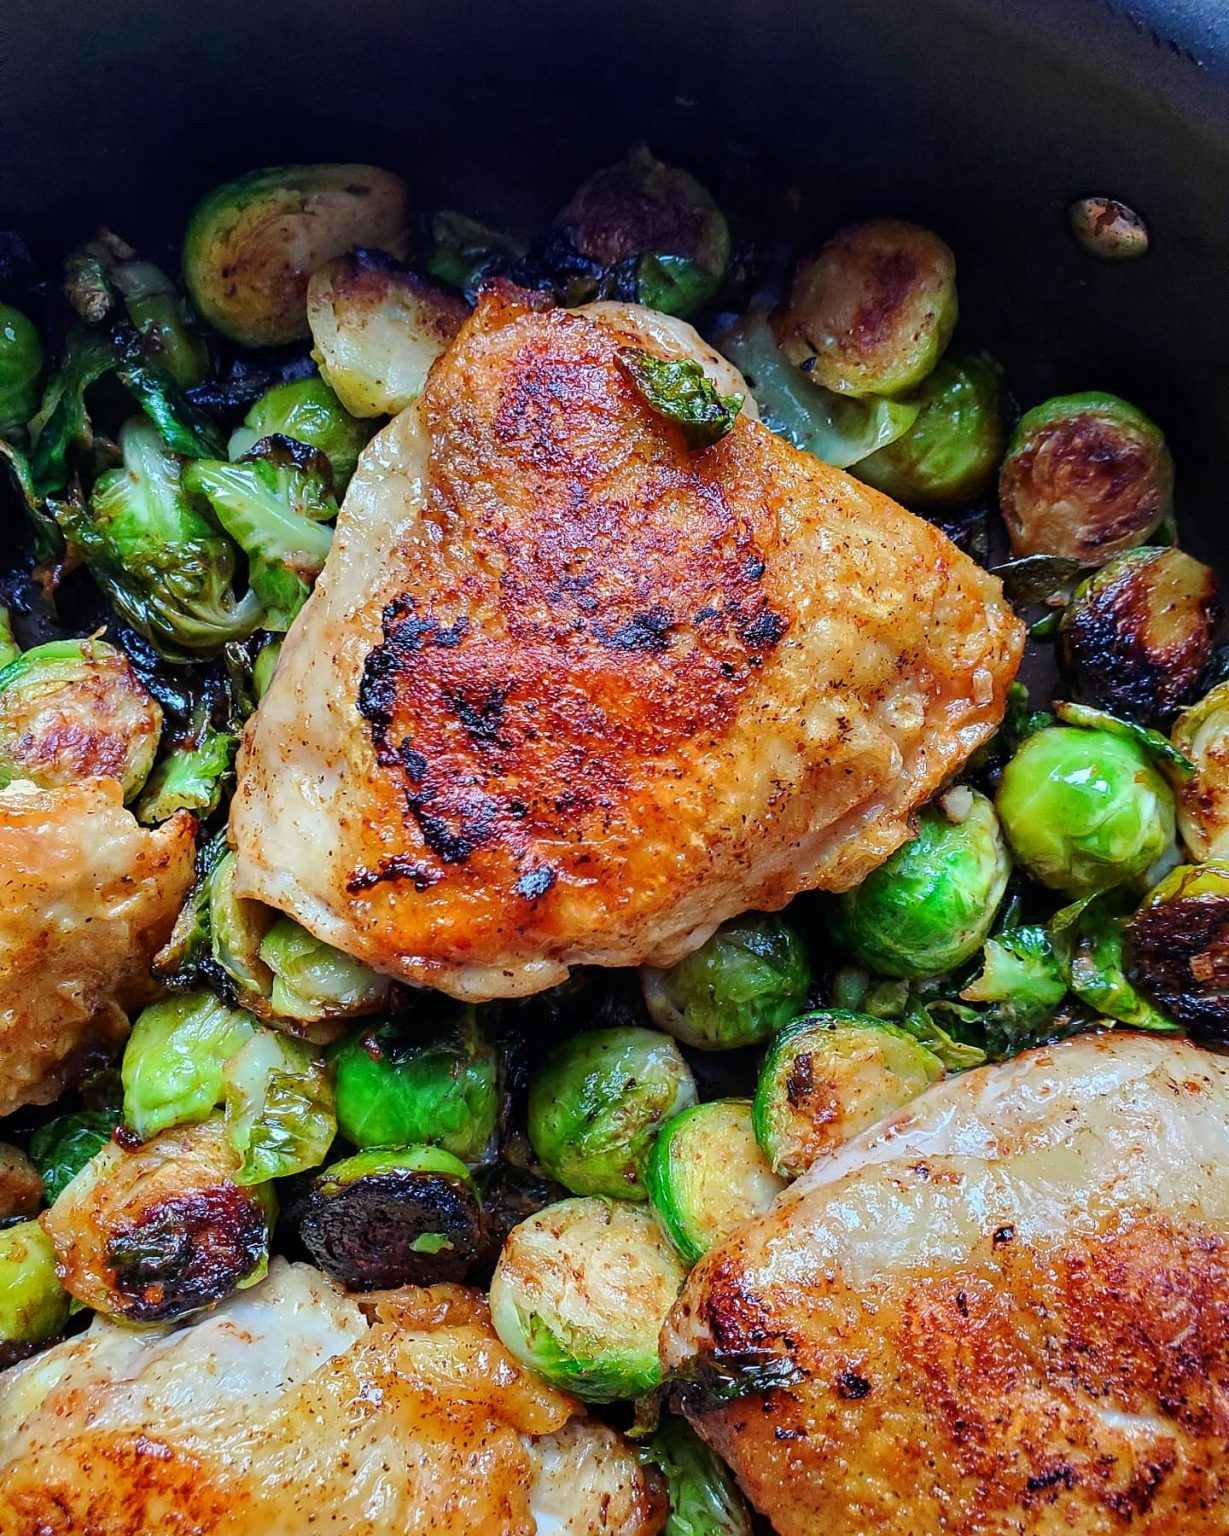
400	1083
1022	983
580	1293
392	1216
280	1107
930	906
313	981
742	984
151	1234
308	411
1086	477
60	1148
377	327
596	1103
252	244
829	1076
73	710
951	452
1178	944
706	1174
172	1068
21	1188
33	1303
1085	810
190	777
1137	635
704	1498
1201	734
874	311
21	362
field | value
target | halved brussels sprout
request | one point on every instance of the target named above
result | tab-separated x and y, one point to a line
73	710
280	1114
951	452
400	1083
1201	734
21	1188
1137	635
172	1068
33	1303
1085	810
1022	983
1179	948
152	1234
307	411
21	362
706	1174
392	1216
252	244
874	311
829	1076
931	905
237	927
580	1293
595	1105
742	984
704	1498
312	981
1086	477
60	1148
377	327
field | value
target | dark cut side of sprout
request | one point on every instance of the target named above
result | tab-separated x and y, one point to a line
1178	949
679	389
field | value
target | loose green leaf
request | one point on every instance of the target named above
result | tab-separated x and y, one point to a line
956	1055
1088	939
1037	578
183	427
60	1148
680	389
280	1115
62	430
704	1498
1159	748
190	777
1023	983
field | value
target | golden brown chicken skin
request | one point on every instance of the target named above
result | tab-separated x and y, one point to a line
571	692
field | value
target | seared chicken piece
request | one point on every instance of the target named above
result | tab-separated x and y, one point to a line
1004	1313
87	896
286	1412
570	693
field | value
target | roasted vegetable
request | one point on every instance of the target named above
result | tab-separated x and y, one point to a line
252	244
596	1103
738	988
21	363
1201	734
73	710
60	1148
312	981
679	389
280	1115
827	1077
21	1188
1085	810
307	411
951	452
706	1173
1086	476
1088	939
190	776
173	1061
704	1498
158	315
580	1293
1137	635
61	431
152	1234
463	253
1021	986
33	1303
1178	947
1108	229
236	928
402	1083
392	1216
932	904
377	327
874	311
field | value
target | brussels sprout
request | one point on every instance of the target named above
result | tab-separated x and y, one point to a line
1088	938
377	327
21	1189
274	504
1023	983
463	253
237	928
951	452
1087	477
252	244
172	1068
61	432
1085	810
280	1114
398	1084
158	315
1158	749
829	1076
874	311
595	1105
1201	734
706	1174
580	1293
166	568
33	1303
307	411
152	1234
392	1216
653	231
704	1498
183	427
190	777
313	981
932	904
1179	948
60	1148
188	954
738	988
264	667
679	389
1137	635
73	710
21	362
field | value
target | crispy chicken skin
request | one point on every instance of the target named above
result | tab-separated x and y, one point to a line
1005	1313
87	896
292	1410
569	693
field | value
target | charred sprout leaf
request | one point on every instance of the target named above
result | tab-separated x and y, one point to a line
1088	939
280	1116
33	1303
88	287
47	540
60	1148
313	981
1157	748
179	961
307	411
712	1380
62	433
464	253
956	1055
173	1061
679	389
704	1498
190	777
1201	734
182	426
1036	578
159	317
21	363
1022	983
1179	948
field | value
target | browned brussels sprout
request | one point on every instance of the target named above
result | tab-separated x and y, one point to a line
1201	734
1179	948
